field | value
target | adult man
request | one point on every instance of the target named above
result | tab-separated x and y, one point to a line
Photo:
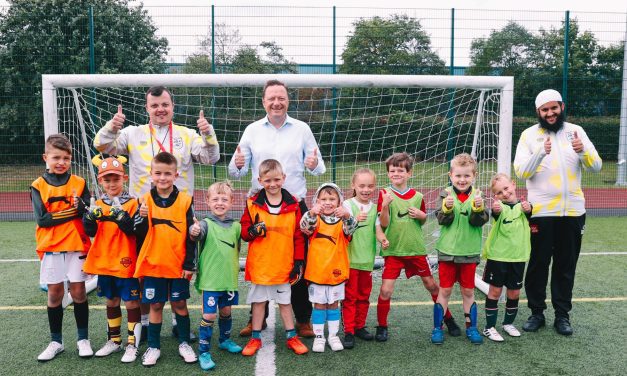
143	142
290	141
549	157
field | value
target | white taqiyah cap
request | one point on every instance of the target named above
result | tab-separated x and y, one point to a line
547	96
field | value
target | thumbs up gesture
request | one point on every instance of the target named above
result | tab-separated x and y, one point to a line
75	199
203	125
143	209
526	206
362	216
194	230
449	200
577	143
118	120
478	199
239	158
496	206
547	145
312	159
386	199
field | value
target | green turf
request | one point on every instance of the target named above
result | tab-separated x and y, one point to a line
598	346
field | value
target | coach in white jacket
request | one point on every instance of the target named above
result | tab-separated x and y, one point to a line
550	156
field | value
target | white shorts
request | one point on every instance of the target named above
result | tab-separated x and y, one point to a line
58	267
281	294
325	294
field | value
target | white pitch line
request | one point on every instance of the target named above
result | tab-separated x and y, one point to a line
265	364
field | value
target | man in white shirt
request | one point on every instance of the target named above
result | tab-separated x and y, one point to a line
291	142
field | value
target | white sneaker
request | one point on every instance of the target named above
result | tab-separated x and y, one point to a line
109	348
51	351
511	330
187	353
130	354
318	344
335	343
150	357
84	348
492	334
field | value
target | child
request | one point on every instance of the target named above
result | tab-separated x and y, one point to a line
507	249
361	253
58	202
402	213
218	268
270	225
329	227
113	254
166	258
460	215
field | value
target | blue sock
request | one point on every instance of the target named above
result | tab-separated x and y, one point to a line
204	333
333	314
225	324
290	333
319	316
154	335
257	334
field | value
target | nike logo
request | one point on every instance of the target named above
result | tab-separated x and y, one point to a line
360	226
465	212
328	237
401	215
54	199
280	292
505	221
232	245
167	222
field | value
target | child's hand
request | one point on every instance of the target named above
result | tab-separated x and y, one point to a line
449	200
94	212
478	199
386	199
143	209
75	198
257	229
194	230
341	212
187	275
526	206
416	213
315	211
362	216
385	243
496	206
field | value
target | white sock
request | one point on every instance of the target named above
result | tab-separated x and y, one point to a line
318	330
145	320
173	319
334	327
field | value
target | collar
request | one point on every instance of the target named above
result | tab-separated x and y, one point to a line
227	220
123	197
167	201
288	121
286	198
56	179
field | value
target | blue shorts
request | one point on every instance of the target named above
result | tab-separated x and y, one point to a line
211	300
160	290
115	287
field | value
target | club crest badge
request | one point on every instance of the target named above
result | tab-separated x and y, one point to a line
150	293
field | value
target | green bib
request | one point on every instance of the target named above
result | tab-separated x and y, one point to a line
218	264
510	237
363	247
404	233
460	238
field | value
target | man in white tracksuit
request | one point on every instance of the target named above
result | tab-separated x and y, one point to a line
550	156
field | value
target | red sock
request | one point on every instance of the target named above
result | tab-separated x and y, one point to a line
447	314
383	309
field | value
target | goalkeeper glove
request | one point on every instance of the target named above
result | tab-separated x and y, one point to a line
116	212
297	271
257	229
94	212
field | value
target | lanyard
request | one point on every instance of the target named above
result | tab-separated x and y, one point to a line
154	135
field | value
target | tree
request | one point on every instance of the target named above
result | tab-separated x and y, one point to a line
393	45
52	37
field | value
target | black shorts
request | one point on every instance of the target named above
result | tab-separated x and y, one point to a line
508	274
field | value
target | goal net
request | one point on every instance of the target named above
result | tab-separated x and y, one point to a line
358	121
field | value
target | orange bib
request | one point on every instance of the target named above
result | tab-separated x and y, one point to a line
327	258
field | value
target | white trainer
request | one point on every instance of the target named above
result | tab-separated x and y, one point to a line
318	344
511	330
150	357
54	348
492	334
84	348
335	343
130	354
109	348
187	353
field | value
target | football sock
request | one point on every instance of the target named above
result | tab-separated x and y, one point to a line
491	312
134	316
81	314
174	323
114	322
447	314
55	320
318	318
467	317
333	320
225	324
205	332
511	310
183	325
257	334
154	335
290	333
383	309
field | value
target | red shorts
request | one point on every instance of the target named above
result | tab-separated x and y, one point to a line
413	265
451	272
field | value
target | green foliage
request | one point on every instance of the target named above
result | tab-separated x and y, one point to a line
52	37
393	45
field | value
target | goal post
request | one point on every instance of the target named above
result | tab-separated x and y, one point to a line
357	120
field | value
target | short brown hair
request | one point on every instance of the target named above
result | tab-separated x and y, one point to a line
58	141
270	165
165	158
463	160
272	83
499	176
221	188
400	160
158	90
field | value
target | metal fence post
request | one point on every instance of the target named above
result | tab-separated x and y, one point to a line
566	49
621	173
92	58
334	106
450	153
